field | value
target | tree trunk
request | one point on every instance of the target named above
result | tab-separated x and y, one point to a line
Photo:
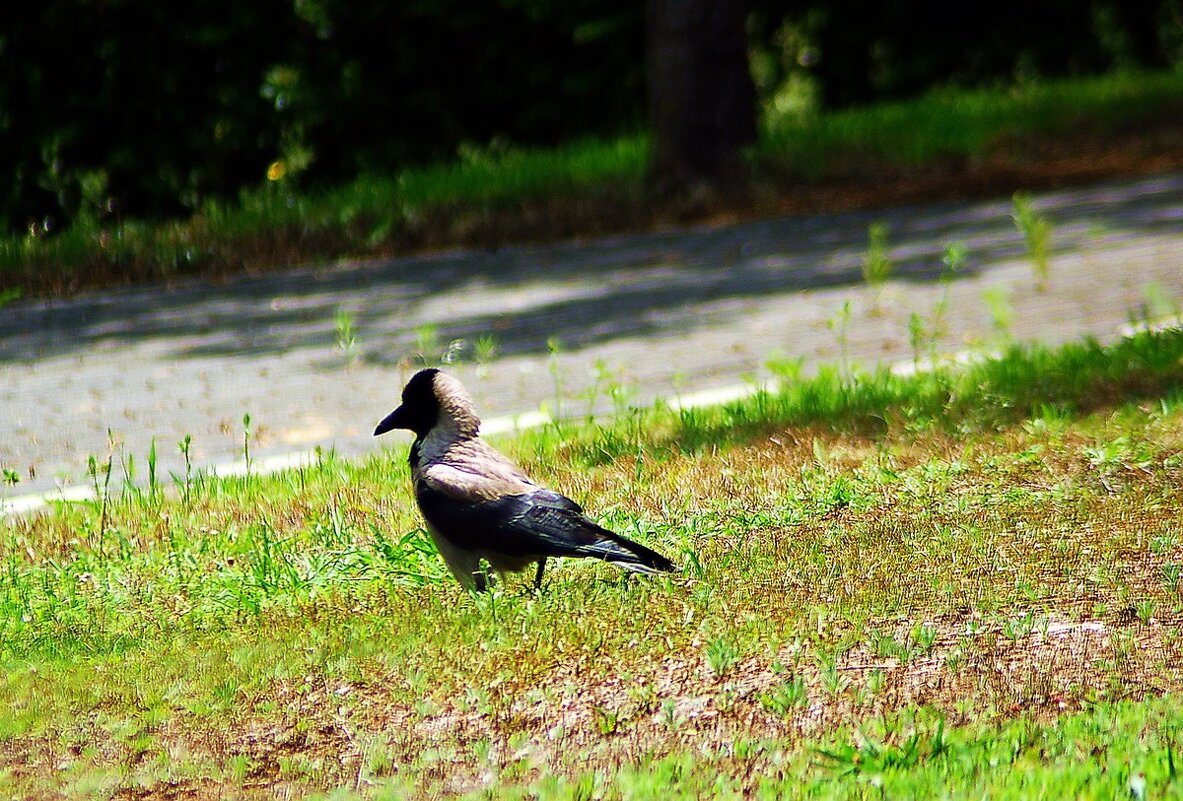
702	107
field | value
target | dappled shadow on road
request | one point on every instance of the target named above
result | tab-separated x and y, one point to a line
581	293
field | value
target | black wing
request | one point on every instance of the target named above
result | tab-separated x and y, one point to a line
536	524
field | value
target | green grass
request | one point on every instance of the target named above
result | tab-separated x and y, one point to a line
965	124
958	583
501	194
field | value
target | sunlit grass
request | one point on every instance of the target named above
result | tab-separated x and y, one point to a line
959	581
506	193
961	123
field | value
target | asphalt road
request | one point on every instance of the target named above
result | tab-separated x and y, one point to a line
662	314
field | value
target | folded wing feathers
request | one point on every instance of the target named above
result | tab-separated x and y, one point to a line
591	539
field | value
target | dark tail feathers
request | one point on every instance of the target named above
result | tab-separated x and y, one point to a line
628	554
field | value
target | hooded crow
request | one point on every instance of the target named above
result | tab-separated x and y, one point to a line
479	505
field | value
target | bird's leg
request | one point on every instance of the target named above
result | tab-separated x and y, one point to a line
538	574
480	580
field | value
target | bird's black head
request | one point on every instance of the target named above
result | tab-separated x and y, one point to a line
420	408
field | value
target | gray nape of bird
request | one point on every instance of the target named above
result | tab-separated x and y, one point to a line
479	505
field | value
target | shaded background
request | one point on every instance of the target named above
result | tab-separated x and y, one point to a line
127	107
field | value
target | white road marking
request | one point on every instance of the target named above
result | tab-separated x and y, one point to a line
720	395
962	358
515	422
1169	324
23	504
264	466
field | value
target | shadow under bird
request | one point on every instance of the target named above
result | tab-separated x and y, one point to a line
479	506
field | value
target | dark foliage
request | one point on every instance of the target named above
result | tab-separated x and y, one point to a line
126	107
860	52
141	108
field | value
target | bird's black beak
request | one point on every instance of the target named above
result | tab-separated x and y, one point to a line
395	419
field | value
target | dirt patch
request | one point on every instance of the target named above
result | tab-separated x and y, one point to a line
966	672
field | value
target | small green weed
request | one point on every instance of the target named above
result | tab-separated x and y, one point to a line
840	325
877	263
786	697
427	345
721	654
343	326
997	300
1037	234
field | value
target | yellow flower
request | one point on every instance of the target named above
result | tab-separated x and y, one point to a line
276	171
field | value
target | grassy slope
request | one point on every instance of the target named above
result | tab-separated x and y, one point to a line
955	584
961	124
946	143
